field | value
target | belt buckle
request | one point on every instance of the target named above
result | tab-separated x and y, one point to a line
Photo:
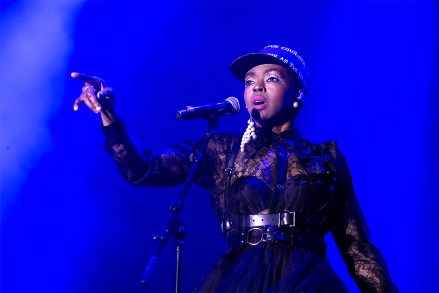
250	235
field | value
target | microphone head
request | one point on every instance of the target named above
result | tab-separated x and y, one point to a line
235	104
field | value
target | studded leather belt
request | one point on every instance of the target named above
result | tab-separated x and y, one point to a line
250	221
273	228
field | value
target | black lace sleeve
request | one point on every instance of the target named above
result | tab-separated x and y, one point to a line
364	260
139	166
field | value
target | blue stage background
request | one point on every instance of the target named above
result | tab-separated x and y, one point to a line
69	223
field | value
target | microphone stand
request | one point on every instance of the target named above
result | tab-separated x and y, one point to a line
174	227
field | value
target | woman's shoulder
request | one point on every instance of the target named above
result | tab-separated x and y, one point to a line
226	137
309	148
221	142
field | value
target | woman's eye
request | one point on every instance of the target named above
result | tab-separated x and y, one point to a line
249	82
273	79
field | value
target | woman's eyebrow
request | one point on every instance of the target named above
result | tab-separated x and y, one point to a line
273	69
251	73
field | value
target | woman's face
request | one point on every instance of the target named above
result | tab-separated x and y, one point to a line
269	94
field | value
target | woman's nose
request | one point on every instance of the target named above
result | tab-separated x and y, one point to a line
259	87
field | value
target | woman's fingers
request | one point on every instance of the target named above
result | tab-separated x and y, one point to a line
89	98
92	104
96	82
84	77
94	88
77	102
106	92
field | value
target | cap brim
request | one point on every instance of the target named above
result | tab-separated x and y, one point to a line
243	64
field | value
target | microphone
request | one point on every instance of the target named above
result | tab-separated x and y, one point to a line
229	106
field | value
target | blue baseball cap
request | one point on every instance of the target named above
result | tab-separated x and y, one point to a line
271	54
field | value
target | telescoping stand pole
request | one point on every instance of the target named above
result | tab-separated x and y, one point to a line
174	227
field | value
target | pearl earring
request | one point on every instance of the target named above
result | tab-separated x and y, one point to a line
299	98
248	134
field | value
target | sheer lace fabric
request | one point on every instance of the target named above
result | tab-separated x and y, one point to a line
275	173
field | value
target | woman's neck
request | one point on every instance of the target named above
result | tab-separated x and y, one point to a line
281	128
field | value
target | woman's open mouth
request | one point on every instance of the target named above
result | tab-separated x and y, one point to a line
259	102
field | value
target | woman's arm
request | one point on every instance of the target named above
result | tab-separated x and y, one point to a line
141	166
137	166
349	228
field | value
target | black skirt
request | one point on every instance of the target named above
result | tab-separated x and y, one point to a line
271	267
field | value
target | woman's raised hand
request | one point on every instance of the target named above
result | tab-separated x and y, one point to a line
97	96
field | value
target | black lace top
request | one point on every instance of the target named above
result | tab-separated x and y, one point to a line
276	173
